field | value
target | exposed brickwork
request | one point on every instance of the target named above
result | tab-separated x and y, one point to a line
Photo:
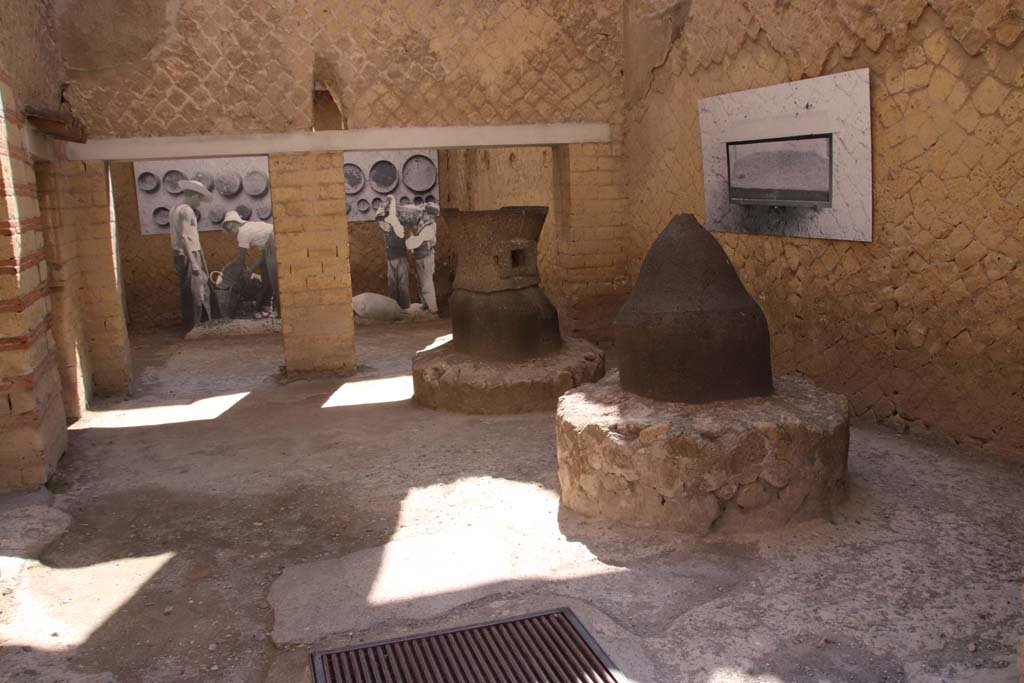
87	208
313	272
32	420
920	328
590	221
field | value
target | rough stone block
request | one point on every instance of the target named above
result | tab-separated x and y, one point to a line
725	466
448	380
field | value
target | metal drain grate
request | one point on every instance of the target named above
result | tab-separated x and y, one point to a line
549	646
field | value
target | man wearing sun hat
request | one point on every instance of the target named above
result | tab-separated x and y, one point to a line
189	260
259	234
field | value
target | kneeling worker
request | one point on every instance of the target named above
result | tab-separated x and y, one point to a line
261	235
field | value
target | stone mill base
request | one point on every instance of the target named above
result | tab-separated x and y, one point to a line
447	380
729	465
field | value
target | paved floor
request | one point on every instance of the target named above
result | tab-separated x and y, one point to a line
219	524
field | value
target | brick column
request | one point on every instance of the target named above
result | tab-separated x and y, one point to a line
87	208
590	210
74	350
311	234
32	419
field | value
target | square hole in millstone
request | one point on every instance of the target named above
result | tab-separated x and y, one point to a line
551	646
518	258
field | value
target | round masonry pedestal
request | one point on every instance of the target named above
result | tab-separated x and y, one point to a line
445	379
734	466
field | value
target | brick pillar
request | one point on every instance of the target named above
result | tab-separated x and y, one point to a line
311	234
74	350
590	209
87	208
32	419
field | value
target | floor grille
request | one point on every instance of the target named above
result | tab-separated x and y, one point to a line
550	646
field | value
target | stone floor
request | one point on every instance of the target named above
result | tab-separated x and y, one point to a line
219	524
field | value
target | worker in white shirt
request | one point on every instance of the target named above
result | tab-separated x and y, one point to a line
257	234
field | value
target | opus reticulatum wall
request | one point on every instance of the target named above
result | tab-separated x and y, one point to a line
921	327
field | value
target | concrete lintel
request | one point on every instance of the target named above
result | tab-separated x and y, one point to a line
430	137
39	145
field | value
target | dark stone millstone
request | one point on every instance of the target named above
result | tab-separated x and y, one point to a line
498	310
689	331
511	325
497	250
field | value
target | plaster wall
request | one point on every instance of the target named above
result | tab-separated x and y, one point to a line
921	327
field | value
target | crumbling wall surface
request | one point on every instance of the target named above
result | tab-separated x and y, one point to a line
922	328
29	53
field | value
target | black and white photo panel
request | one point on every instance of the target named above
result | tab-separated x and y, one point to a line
239	184
792	159
410	175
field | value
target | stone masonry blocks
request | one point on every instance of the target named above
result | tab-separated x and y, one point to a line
736	465
32	419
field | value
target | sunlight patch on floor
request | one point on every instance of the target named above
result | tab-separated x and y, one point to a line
499	531
59	609
369	391
444	339
203	409
365	392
